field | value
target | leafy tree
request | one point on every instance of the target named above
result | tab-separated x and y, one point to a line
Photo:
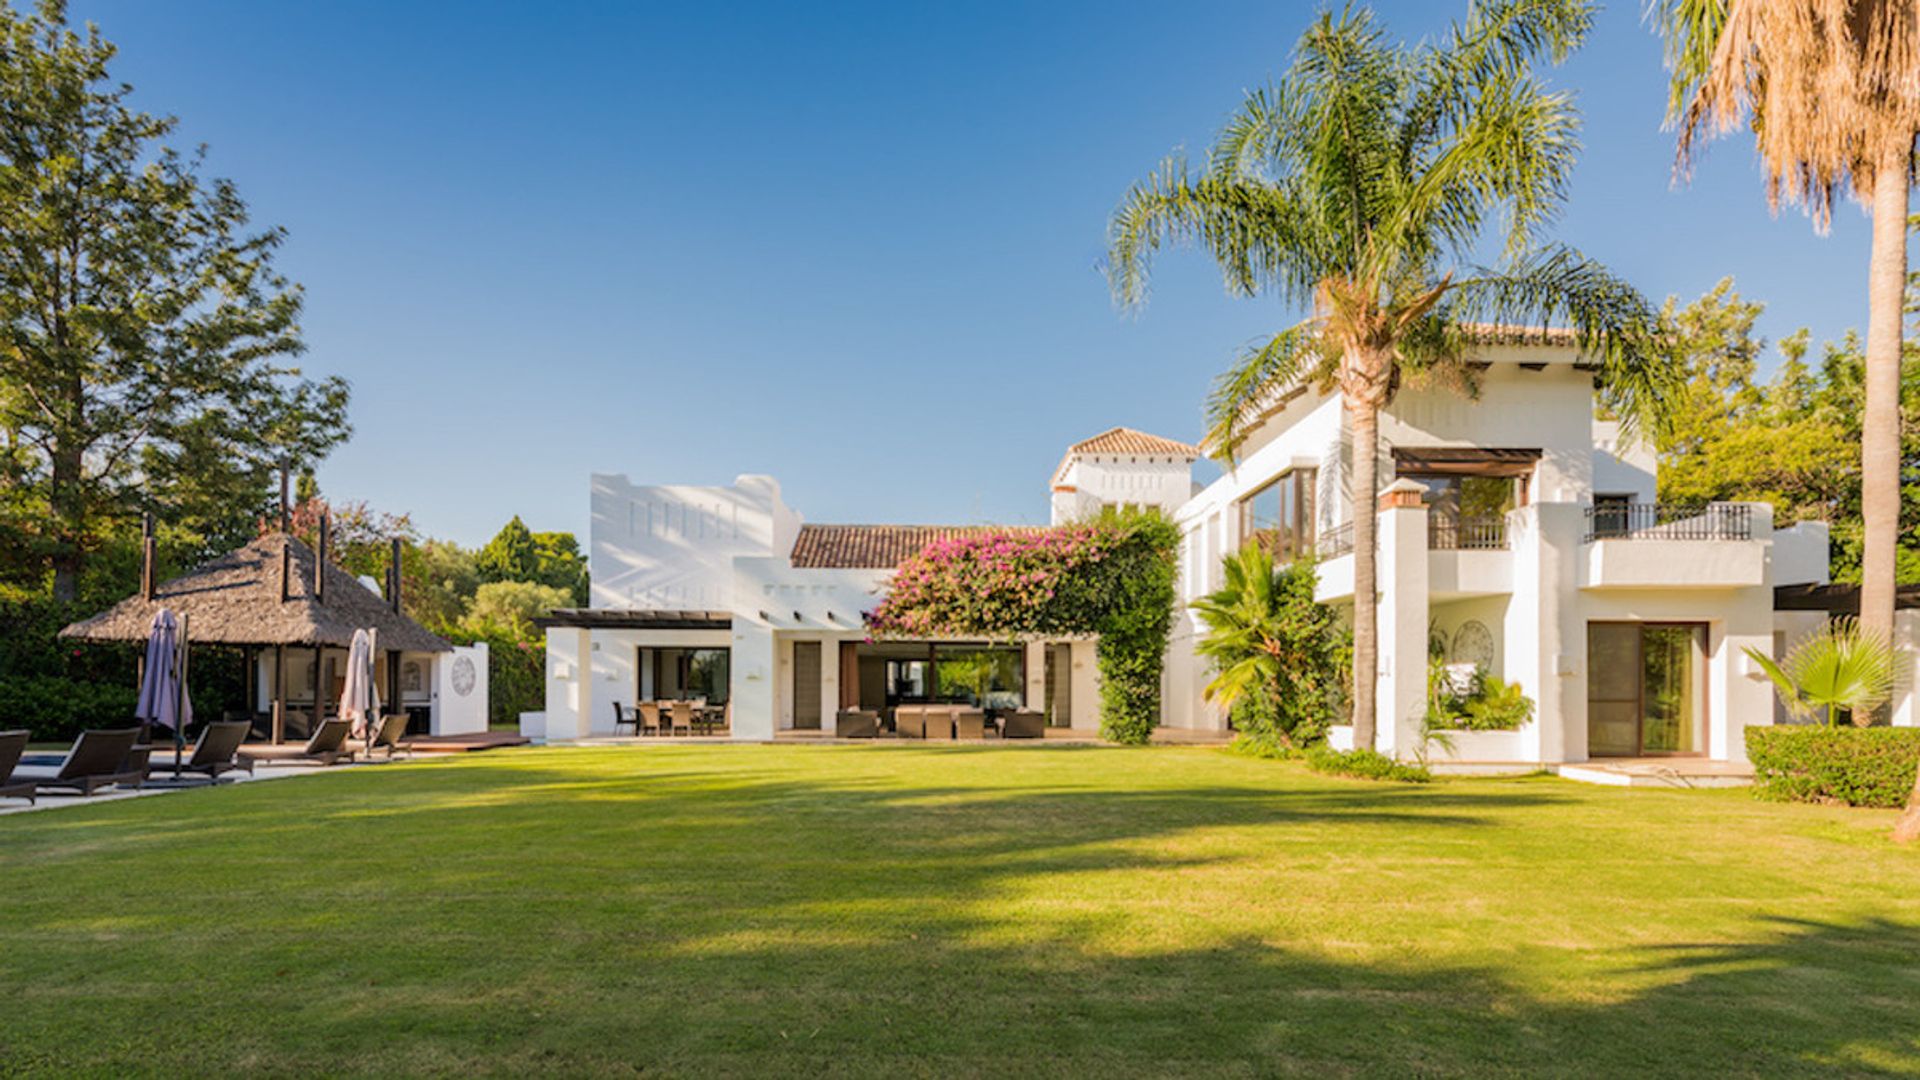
1827	87
144	327
510	556
513	604
442	584
1792	440
1277	654
1361	187
558	563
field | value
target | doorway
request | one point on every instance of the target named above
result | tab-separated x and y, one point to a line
806	685
1646	689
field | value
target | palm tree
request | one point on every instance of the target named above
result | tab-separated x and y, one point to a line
1361	187
1272	645
1831	89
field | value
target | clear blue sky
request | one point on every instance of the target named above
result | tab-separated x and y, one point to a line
851	245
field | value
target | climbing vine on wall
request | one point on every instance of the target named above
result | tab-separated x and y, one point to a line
1111	576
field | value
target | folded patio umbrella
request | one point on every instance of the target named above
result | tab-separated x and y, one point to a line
163	681
360	698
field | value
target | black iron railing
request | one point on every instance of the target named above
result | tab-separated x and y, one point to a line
1664	521
1448	532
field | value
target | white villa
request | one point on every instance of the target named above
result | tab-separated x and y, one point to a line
1517	533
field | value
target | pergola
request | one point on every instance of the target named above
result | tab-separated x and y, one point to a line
274	594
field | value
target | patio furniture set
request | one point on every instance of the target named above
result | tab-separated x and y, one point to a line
102	758
666	718
940	723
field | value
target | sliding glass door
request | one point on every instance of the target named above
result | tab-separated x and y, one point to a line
1646	688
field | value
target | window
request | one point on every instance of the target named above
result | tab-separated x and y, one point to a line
1610	514
673	674
1279	517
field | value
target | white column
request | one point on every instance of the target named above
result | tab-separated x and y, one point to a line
1035	653
569	683
753	680
830	686
1401	700
1085	692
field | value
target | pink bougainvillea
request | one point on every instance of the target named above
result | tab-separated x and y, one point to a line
996	584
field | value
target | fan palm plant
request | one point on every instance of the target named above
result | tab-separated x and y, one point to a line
1362	188
1846	668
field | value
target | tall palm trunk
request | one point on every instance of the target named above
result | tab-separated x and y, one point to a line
1363	493
1880	426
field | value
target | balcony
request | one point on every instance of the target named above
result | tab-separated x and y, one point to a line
1452	532
1656	545
1665	521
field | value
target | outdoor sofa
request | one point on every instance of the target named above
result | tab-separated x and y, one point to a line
1023	725
856	724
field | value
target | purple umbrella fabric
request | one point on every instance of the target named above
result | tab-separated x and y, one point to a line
163	700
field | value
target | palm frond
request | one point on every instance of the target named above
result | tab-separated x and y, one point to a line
1613	324
1252	229
1289	357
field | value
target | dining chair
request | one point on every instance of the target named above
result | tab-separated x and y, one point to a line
683	716
649	717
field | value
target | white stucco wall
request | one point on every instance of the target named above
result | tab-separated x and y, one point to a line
1087	482
672	546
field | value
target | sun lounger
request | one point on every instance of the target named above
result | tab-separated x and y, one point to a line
99	758
392	736
217	750
328	746
12	745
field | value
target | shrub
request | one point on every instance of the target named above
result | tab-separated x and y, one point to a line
1263	746
1364	765
56	708
1855	766
1481	702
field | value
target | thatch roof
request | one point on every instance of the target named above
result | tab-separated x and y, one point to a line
235	600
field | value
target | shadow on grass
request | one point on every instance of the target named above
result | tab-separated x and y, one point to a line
700	914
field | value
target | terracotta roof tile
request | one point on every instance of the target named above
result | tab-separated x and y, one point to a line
1124	440
876	547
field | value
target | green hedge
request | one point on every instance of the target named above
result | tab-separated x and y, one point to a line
56	708
1855	766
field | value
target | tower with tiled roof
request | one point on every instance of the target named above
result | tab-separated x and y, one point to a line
1122	467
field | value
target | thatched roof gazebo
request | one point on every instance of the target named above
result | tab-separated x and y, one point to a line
266	594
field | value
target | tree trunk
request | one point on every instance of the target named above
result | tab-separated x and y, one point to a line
64	496
1880	426
1364	494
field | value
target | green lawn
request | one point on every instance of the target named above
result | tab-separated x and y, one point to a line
897	911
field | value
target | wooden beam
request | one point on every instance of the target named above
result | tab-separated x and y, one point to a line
320	561
279	694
